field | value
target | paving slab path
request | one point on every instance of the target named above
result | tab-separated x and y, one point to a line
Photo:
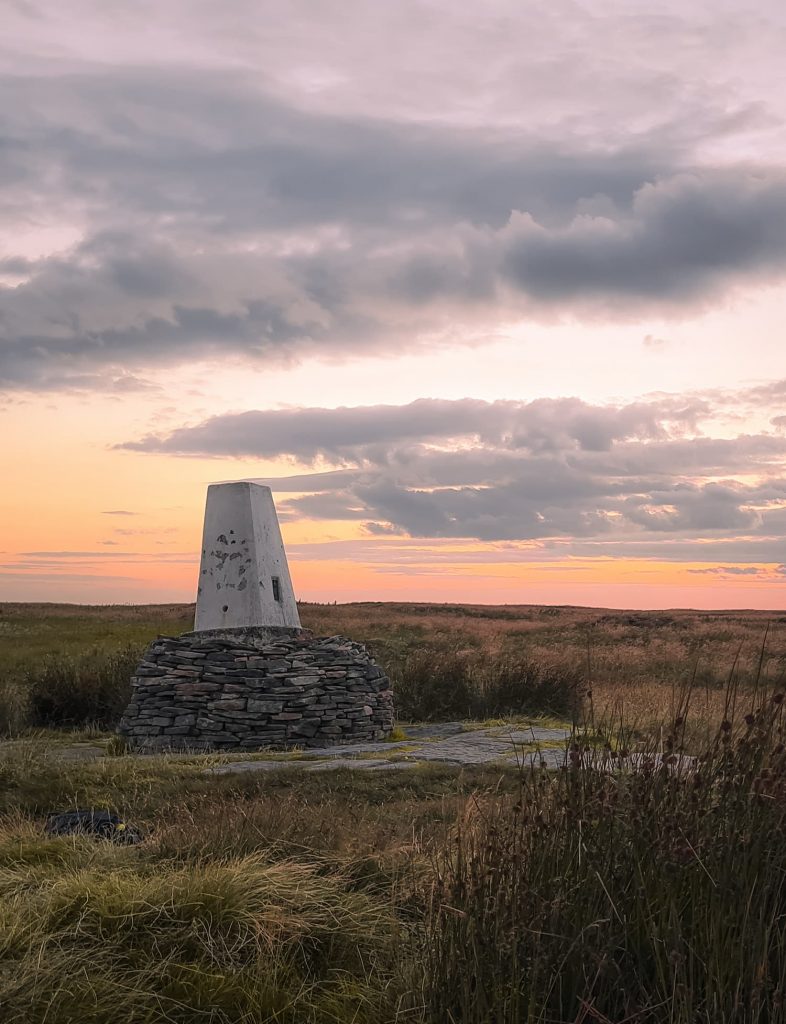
446	742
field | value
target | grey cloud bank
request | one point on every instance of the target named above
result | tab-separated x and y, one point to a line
266	189
624	476
543	424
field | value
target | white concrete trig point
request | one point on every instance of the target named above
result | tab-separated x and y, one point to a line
243	575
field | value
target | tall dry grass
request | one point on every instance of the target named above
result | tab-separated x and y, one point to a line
438	685
89	689
628	887
641	658
642	883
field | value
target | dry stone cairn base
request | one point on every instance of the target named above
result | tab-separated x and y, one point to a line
220	691
249	677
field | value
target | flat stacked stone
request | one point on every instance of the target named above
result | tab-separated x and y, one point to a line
253	688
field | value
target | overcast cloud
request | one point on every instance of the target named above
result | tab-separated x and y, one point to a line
273	185
546	469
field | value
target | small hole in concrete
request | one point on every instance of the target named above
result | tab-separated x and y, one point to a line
225	608
276	588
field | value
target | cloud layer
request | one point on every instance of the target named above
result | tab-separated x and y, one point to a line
644	478
180	200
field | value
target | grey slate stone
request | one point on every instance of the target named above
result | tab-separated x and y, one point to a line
219	691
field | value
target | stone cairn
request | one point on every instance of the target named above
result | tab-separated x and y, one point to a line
249	676
253	688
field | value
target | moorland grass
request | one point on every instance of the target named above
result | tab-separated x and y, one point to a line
111	935
642	658
92	688
639	657
441	685
280	896
638	884
611	891
644	883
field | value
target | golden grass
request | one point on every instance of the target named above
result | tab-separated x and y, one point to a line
643	659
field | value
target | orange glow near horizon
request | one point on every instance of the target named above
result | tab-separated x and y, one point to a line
84	522
601	582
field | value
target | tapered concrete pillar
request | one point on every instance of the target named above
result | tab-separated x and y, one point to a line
243	576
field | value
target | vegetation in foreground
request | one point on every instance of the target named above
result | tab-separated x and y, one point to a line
611	892
643	883
631	886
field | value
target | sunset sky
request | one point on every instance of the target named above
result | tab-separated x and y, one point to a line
493	296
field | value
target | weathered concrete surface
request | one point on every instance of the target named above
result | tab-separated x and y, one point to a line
448	742
243	575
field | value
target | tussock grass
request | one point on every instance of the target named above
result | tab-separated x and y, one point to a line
222	941
651	889
271	897
90	689
434	685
